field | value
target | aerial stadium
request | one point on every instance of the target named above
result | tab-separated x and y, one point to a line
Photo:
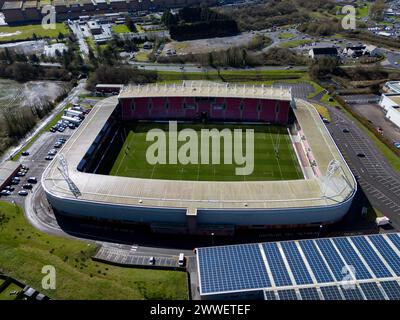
299	177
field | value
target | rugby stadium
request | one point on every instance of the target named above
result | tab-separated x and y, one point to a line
299	177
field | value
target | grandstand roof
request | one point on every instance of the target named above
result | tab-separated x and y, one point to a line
200	194
206	89
344	268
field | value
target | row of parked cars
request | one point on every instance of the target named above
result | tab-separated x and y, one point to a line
8	190
52	152
61	125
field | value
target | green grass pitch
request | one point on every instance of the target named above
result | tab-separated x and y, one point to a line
131	160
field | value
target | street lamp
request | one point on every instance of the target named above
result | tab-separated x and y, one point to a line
212	238
319	230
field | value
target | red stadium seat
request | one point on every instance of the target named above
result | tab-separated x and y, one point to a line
175	109
159	110
283	114
126	106
233	111
267	112
141	110
250	110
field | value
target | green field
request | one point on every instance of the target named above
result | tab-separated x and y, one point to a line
5	294
24	251
26	32
122	28
295	43
286	35
132	162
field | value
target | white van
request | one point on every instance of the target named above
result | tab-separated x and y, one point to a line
181	260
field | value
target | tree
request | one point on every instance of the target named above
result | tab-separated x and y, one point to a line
377	10
323	67
130	24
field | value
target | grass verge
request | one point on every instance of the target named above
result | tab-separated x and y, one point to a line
24	251
20	33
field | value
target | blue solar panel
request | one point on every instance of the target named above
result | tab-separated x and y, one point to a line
392	289
331	293
369	255
316	262
289	294
352	258
387	252
352	293
395	240
232	268
276	264
372	291
269	295
309	294
332	257
296	263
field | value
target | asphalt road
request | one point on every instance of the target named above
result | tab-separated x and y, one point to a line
374	174
199	69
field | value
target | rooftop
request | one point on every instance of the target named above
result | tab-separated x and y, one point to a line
206	89
395	98
326	50
7	169
305	269
10	5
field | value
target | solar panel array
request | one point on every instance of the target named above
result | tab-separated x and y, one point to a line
345	268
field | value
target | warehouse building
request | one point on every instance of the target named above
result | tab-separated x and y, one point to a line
391	104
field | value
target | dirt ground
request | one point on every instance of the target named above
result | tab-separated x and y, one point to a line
375	113
208	45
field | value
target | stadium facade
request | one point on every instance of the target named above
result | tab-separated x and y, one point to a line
75	185
30	11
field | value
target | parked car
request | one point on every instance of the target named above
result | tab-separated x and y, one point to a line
25	153
49	158
32	180
21	173
345	130
9	188
27	186
52	152
5	193
23	193
25	167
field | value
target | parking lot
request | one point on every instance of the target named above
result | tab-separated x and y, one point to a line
373	174
130	256
36	163
375	114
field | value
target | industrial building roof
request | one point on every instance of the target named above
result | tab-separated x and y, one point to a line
344	268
